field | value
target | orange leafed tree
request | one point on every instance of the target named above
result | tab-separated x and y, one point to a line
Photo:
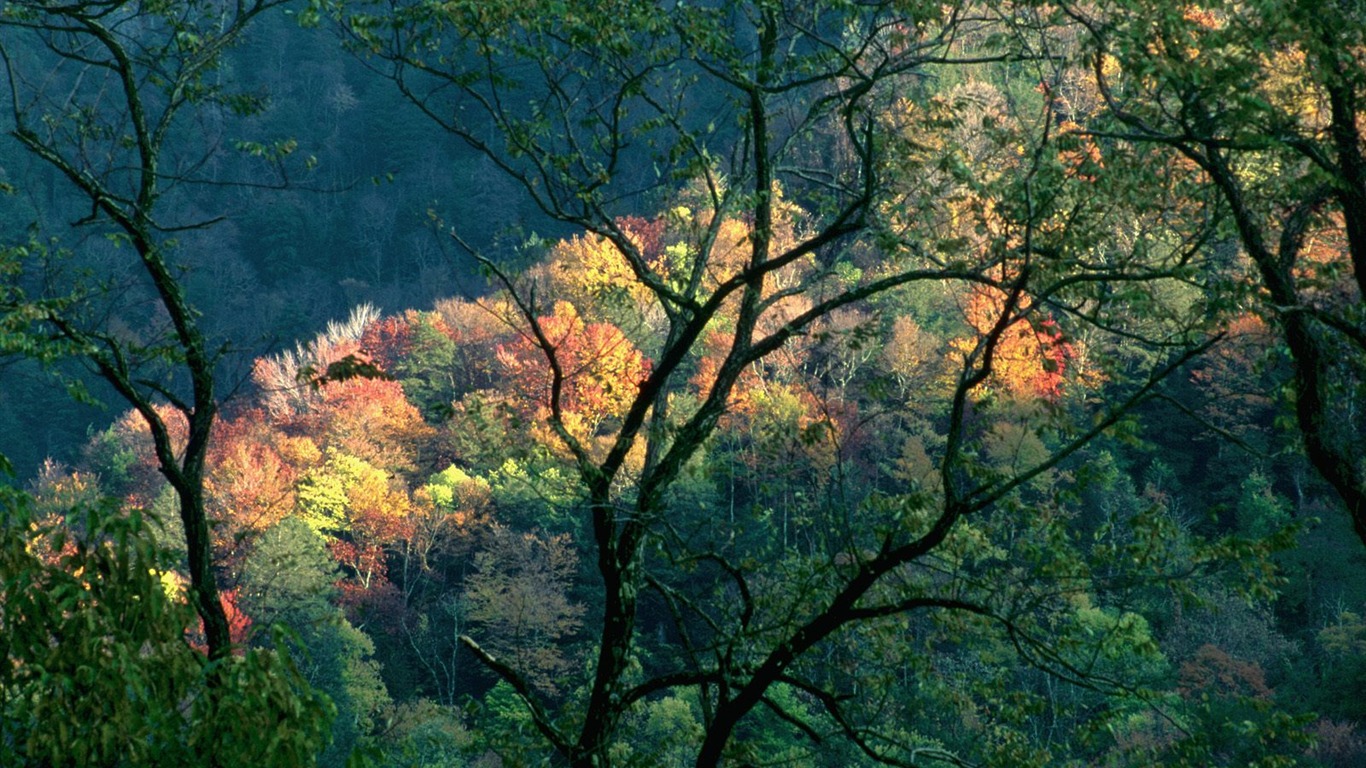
249	485
596	373
747	286
589	270
1031	358
373	420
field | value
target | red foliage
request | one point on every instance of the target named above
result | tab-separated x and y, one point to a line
389	339
1231	377
249	486
715	346
239	626
364	559
239	623
648	236
378	605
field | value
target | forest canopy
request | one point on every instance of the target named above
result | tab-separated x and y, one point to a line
883	383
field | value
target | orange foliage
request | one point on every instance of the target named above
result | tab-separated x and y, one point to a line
131	433
1082	159
389	339
731	252
602	370
477	331
435	529
1211	671
585	268
470	323
1237	397
1031	358
1201	17
378	521
715	346
249	486
1324	271
378	510
239	626
372	420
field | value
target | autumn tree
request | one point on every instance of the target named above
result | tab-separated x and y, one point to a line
1033	356
600	371
118	100
517	595
807	168
249	486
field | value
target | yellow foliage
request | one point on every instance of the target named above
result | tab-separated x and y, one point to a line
1030	357
589	270
300	452
1289	86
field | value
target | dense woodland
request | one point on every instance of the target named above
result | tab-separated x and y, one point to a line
614	383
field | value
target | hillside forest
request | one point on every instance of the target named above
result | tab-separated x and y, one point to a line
601	383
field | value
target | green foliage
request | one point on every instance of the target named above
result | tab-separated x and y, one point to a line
668	731
322	499
427	372
505	728
325	494
1342	689
1119	645
772	734
452	489
290	578
25	322
345	369
1260	512
288	582
95	668
113	458
849	555
535	494
426	735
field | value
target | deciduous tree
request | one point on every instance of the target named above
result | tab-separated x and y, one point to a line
807	166
1261	104
95	667
518	597
103	94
